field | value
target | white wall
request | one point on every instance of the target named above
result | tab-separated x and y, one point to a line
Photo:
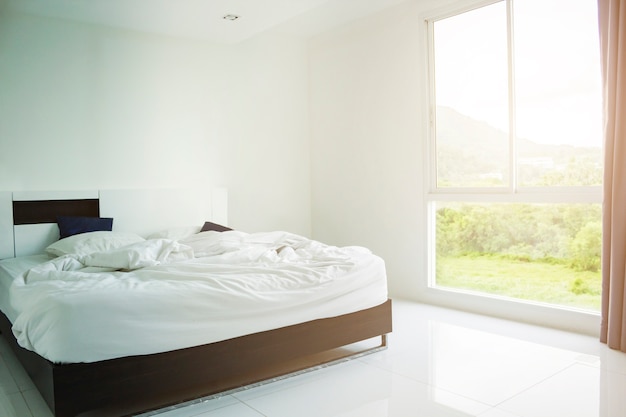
85	106
367	140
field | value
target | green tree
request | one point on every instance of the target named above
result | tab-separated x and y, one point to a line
586	247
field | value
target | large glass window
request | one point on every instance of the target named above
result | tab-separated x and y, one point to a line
471	85
516	163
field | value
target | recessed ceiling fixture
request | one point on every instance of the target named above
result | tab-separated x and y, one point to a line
230	17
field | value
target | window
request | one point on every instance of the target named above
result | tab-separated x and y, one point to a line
516	160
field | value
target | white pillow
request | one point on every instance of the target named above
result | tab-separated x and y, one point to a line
175	233
87	243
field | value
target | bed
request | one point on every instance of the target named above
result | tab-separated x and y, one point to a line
98	337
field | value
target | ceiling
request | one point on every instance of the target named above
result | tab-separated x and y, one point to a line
203	19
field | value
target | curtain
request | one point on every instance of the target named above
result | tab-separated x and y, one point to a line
612	25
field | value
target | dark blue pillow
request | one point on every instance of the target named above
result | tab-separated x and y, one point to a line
71	225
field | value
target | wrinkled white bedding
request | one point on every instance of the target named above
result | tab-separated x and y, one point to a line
160	295
9	269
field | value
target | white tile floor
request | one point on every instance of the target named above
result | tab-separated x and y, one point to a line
439	363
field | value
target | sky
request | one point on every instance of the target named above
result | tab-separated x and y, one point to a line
556	69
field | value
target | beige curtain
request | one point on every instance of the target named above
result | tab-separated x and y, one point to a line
612	22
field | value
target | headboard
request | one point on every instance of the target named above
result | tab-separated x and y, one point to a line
28	218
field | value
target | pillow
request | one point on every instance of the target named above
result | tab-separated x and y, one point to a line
214	227
90	242
71	225
175	233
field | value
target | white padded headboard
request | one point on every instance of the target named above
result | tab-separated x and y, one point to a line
138	211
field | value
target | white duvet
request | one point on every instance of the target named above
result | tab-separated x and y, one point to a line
161	295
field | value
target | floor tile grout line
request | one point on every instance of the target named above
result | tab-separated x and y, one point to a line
537	383
28	405
428	383
254	409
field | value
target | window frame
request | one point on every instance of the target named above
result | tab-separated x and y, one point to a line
559	316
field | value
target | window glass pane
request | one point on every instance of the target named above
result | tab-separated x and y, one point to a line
558	93
471	94
548	253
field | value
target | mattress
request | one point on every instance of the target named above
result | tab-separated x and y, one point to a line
161	295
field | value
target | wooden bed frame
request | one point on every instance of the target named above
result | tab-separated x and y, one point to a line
131	385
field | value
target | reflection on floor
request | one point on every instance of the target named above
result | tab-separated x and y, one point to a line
439	363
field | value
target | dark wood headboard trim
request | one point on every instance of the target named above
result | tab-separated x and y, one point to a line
46	211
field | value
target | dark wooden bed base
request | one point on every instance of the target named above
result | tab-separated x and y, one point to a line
130	385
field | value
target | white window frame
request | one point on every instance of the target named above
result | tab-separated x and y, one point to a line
535	312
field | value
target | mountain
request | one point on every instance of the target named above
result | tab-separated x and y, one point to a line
473	153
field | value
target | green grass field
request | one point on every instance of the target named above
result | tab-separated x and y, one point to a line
527	280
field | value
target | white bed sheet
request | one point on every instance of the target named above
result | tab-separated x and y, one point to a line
9	269
71	310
